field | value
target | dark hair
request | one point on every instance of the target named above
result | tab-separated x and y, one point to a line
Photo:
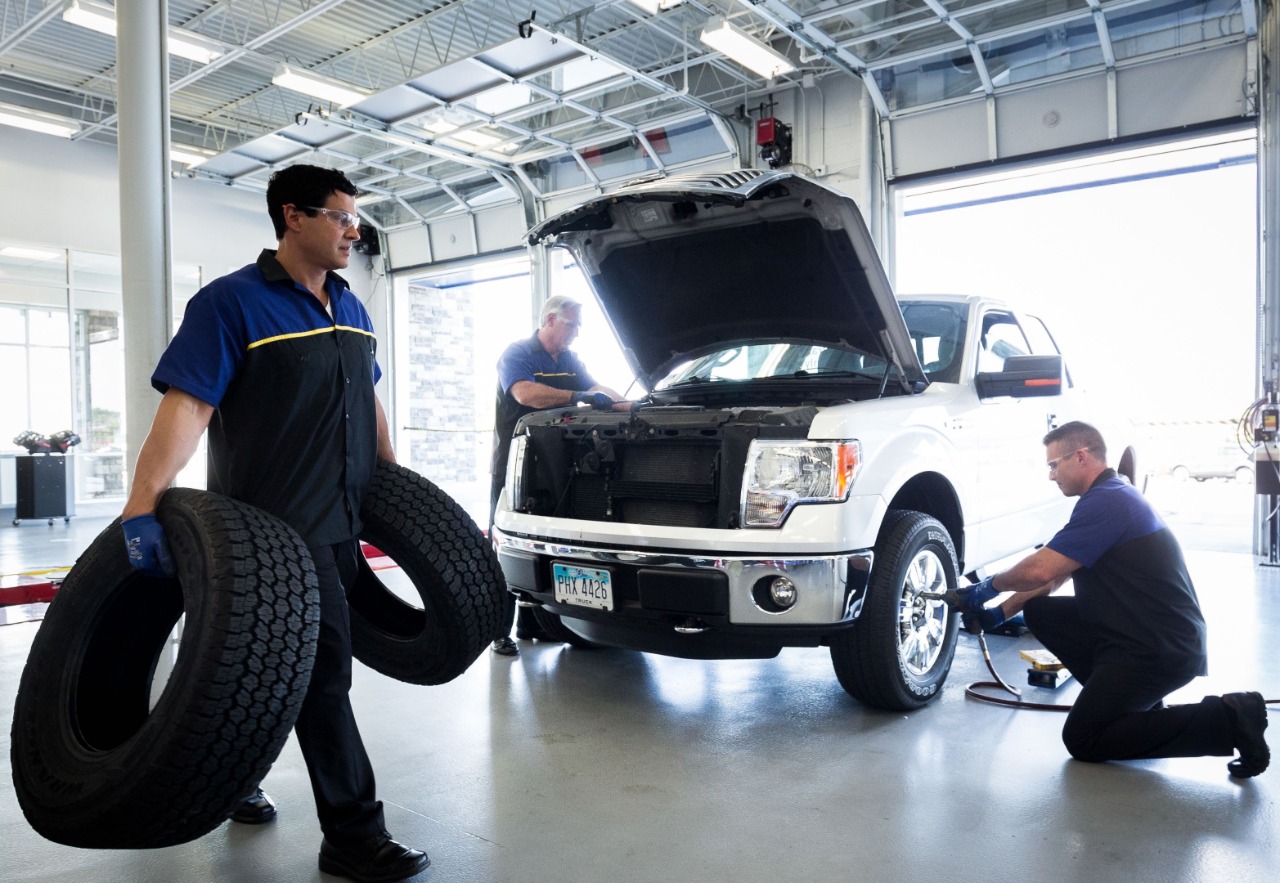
1075	435
303	185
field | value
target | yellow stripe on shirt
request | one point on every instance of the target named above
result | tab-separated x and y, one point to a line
310	333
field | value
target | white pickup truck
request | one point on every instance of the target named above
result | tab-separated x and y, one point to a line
813	454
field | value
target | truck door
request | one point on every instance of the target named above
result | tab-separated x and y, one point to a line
1020	506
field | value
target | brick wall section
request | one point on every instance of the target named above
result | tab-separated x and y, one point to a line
441	367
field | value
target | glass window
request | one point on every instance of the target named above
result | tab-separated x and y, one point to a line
12	326
47	327
937	332
1001	338
13	393
51	404
62	356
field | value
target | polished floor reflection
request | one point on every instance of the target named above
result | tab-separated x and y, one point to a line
577	766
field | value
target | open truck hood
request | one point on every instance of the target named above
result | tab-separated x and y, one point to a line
690	263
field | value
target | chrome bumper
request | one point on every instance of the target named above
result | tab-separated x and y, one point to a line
829	589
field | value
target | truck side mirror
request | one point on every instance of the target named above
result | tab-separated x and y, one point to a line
1023	377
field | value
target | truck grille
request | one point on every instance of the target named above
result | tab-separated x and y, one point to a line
660	484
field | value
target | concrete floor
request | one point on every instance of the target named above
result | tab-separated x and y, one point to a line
582	766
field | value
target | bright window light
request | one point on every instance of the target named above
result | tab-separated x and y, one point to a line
317	86
745	49
36	121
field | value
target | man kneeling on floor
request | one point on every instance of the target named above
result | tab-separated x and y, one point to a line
1132	634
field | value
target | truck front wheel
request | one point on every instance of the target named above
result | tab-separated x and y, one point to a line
899	652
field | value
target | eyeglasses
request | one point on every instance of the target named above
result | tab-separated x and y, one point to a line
345	219
1053	464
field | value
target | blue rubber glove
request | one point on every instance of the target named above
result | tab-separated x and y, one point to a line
147	546
598	400
983	620
974	598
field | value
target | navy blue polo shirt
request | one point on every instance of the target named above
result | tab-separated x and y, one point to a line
295	431
528	360
1133	588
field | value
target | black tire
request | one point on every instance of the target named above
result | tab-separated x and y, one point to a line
899	652
1128	467
555	630
94	765
451	564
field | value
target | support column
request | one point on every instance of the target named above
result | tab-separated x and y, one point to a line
1266	538
142	71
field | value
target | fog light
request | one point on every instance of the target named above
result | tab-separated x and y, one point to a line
783	592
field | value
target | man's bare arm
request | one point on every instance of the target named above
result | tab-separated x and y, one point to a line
538	395
1037	570
385	450
180	420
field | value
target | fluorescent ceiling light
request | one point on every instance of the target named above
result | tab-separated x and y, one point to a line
94	16
37	121
190	156
317	86
30	254
196	47
745	49
102	18
653	7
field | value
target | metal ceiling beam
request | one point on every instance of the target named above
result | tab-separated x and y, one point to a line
787	20
235	54
979	63
31	25
1029	27
648	80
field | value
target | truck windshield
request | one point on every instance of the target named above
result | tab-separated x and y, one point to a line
937	330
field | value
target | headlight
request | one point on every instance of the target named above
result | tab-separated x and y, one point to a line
782	474
515	471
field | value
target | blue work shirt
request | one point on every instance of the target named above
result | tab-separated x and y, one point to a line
528	360
1133	588
295	427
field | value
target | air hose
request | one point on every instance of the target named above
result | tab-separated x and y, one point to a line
973	691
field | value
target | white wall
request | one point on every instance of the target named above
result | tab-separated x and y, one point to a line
65	194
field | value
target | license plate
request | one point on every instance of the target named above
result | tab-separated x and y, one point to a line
583	586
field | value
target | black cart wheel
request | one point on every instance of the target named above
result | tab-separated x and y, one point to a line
99	759
453	569
899	652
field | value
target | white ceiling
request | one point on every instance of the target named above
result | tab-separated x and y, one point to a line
472	102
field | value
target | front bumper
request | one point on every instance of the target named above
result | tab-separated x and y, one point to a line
695	596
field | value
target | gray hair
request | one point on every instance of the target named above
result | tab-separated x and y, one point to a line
557	304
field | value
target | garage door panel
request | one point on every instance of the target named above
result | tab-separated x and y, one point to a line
1183	91
940	139
1054	117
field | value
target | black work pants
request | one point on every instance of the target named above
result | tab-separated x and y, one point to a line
341	775
1119	714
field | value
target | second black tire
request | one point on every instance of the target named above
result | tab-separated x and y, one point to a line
451	565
